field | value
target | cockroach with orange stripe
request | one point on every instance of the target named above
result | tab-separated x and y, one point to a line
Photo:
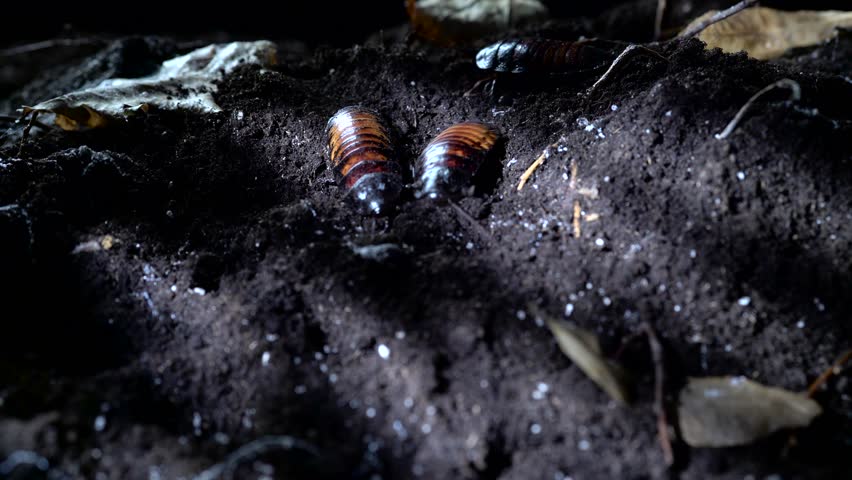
361	154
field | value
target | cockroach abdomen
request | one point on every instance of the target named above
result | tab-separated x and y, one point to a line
452	158
360	152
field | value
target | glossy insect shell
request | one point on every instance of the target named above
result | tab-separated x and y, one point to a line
360	152
450	160
542	56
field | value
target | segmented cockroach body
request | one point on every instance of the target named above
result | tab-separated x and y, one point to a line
360	152
541	56
450	160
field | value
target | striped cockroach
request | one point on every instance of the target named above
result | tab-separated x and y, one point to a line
541	56
450	160
360	152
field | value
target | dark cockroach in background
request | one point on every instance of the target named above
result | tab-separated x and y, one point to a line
360	152
541	56
452	158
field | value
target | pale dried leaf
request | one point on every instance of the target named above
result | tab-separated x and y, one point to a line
453	21
765	33
583	348
182	83
728	411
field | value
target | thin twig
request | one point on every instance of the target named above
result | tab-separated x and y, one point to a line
576	219
659	398
26	132
658	21
795	95
463	214
545	154
628	52
832	370
17	118
253	450
718	17
47	44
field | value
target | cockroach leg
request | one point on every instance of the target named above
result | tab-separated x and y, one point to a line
628	52
479	85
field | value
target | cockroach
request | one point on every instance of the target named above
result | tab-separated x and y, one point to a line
360	152
450	160
541	56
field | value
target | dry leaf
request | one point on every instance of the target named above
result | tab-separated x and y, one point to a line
448	22
583	348
182	83
765	33
728	411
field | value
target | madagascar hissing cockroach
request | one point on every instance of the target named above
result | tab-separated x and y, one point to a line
450	160
541	56
360	152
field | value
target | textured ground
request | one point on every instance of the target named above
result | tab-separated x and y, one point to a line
242	299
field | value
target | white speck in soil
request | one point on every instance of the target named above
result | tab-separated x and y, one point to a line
819	305
399	428
408	402
535	429
677	308
271	337
741	176
426	428
669	113
569	309
431	410
332	378
483	383
800	324
522	315
383	350
297	360
264	359
100	423
607	301
728	347
469	246
692	253
323	368
584	445
371	412
173	288
300	389
199	291
400	334
613	107
221	438
744	301
589	285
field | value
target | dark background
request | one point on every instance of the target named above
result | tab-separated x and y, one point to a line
313	21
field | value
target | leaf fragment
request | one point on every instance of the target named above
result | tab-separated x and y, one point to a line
729	411
765	33
448	22
186	82
583	348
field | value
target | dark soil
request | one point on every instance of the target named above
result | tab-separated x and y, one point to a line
243	299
